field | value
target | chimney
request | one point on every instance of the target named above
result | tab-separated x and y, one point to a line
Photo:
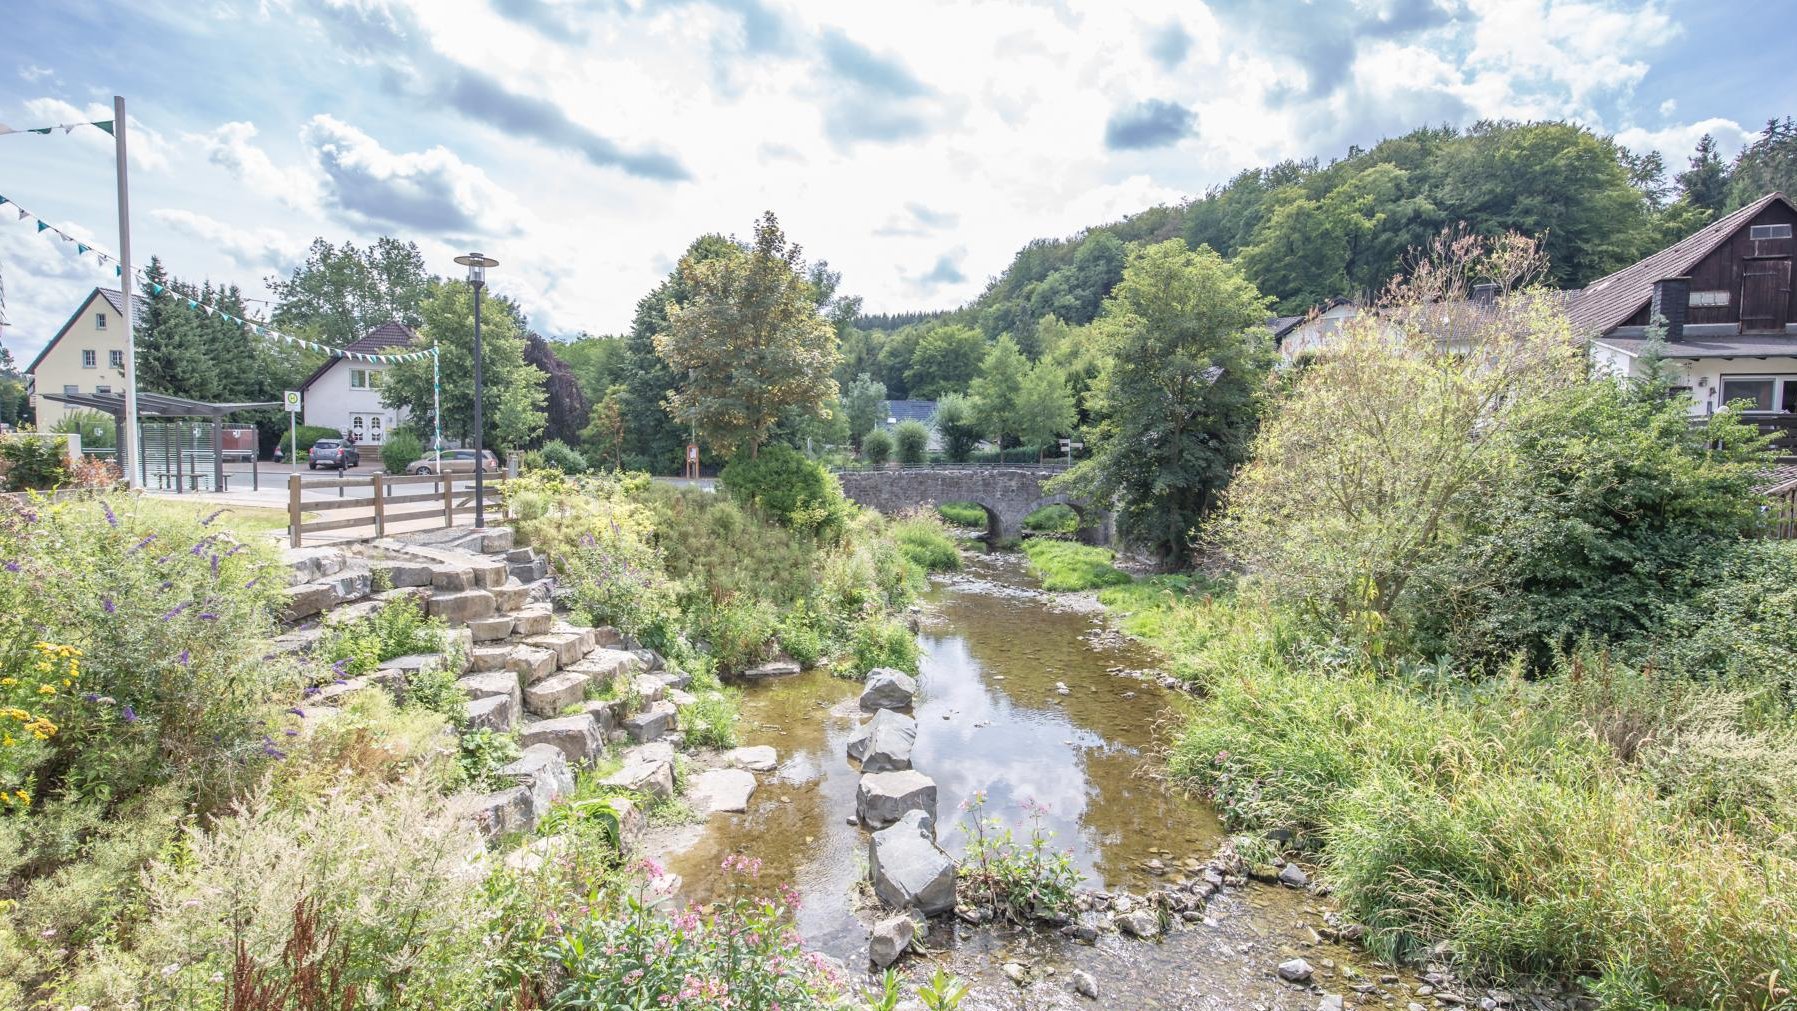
1484	294
1671	302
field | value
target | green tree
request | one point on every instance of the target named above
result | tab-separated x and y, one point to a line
596	362
995	391
652	440
876	447
945	360
96	429
342	292
1767	165
172	356
863	402
604	434
1705	183
512	405
1044	406
751	340
1179	396
955	423
911	439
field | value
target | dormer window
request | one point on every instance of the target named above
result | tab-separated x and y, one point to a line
1769	232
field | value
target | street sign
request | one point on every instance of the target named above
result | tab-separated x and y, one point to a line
293	401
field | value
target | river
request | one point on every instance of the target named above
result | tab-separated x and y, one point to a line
991	719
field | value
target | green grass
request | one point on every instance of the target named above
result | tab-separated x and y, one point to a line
248	520
963	514
1064	565
1591	823
926	543
1052	519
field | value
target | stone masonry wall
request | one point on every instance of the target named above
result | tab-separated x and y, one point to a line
1007	494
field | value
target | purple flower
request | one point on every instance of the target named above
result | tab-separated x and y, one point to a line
111	519
166	583
297	711
207	616
236	549
312	690
108	606
175	611
90	696
340	666
290	732
128	714
185	659
214	566
252	583
269	749
12	566
208	520
140	545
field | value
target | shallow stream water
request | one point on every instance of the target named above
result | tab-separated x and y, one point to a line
991	720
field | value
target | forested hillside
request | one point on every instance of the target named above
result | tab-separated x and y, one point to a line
1305	231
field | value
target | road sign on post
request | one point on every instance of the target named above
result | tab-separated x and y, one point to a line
292	401
692	460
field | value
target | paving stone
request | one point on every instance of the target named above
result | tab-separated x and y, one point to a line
757	758
551	695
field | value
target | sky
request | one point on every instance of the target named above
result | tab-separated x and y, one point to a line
914	146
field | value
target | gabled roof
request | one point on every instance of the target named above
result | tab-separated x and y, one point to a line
386	337
1606	302
909	410
114	298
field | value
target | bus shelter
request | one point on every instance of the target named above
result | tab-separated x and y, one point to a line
183	441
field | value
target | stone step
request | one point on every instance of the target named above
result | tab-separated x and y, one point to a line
490	629
458	607
530	571
568	647
548	697
532	619
505	813
645	772
488	540
577	737
530	663
609	714
653	723
516	555
482	659
588	638
452	578
498	713
544	771
400	574
309	565
511	595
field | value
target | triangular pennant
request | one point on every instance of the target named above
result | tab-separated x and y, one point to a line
118	270
2	200
41	225
23	213
45	130
70	128
104	124
156	289
80	248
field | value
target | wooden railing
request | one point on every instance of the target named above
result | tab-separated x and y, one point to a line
1783	510
368	504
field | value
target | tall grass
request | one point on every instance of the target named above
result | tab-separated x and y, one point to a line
1066	566
1528	827
925	541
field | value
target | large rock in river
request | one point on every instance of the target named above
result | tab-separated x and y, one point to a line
887	725
909	870
884	797
888	688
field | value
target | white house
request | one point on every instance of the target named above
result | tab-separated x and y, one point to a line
86	356
345	394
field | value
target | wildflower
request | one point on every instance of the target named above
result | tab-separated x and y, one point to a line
140	545
252	583
108	606
175	611
112	519
128	714
208	520
269	749
207	616
185	659
297	711
214	566
90	697
12	566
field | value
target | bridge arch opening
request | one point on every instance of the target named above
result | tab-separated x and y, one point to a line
1089	523
968	514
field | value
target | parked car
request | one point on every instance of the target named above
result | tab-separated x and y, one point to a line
455	461
334	453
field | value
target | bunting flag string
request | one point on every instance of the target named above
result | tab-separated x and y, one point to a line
255	326
104	124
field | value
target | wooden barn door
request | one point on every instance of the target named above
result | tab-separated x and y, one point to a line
1765	296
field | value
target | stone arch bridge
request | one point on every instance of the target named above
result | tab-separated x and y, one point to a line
1007	494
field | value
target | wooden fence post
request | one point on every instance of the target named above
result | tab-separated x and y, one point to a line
293	508
448	500
380	510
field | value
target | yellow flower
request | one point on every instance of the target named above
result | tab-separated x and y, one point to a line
9	682
46	689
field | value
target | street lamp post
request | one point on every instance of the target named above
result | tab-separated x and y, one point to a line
477	265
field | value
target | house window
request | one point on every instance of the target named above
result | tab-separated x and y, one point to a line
99	321
90	359
1769	232
103	390
1712	298
1757	391
116	359
374	379
358	379
71	390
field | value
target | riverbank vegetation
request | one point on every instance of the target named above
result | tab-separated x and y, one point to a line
1518	681
1069	566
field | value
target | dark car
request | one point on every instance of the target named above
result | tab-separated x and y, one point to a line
334	453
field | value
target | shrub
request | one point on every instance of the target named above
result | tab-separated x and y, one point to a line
876	447
740	950
924	541
738	631
1064	565
483	753
1052	519
97	430
30	463
803	635
795	491
308	434
963	514
434	690
710	722
911	441
955	420
882	643
402	449
1018	880
401	628
557	455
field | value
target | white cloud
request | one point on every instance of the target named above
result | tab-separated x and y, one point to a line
432	191
1676	142
253	248
149	150
231	147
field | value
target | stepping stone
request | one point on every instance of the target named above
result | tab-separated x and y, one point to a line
401	574
487	685
888	688
882	798
451	578
717	790
784	667
545	772
461	606
532	619
885	718
488	658
651	776
490	629
498	713
908	869
566	646
889	747
496	814
530	663
517	555
548	697
758	758
511	595
576	737
654	722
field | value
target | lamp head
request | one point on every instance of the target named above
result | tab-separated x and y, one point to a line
477	264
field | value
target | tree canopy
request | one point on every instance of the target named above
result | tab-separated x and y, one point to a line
341	292
513	394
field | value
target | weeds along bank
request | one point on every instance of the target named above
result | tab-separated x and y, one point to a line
1508	655
190	824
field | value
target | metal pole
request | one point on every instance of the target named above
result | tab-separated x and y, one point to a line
437	407
125	281
480	462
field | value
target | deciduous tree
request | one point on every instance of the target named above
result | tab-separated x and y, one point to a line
342	292
1044	406
995	391
862	401
512	405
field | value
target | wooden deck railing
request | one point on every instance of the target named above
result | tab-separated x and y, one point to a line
368	504
1784	510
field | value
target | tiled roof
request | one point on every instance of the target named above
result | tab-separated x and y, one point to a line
1282	325
1606	302
909	410
385	337
113	298
117	299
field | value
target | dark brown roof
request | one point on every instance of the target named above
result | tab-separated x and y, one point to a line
386	337
1604	303
1745	346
